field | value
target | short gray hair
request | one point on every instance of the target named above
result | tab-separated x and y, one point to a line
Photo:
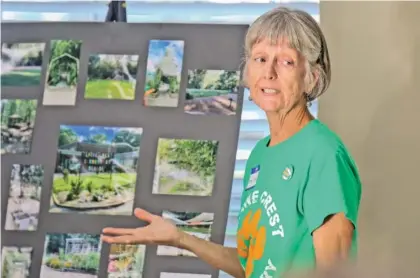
303	34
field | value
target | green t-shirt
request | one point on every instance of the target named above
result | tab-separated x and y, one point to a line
289	190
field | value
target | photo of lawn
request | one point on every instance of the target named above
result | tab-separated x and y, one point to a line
95	170
111	77
185	167
62	73
212	92
194	223
126	261
24	197
71	256
16	262
163	74
17	125
183	275
21	64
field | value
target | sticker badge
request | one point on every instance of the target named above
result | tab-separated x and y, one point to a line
287	173
253	177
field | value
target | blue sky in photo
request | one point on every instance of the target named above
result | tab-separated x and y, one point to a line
85	132
157	50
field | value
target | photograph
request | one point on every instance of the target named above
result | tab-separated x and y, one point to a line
95	170
17	125
163	73
111	77
194	223
71	256
16	262
183	275
185	167
126	261
21	64
62	73
24	197
212	92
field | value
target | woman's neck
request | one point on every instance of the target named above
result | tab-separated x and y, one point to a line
284	125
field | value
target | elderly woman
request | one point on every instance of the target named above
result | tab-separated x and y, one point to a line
301	186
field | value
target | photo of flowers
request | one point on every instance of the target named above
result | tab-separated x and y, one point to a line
126	261
16	262
185	167
183	275
62	73
194	223
21	64
75	254
212	92
111	77
24	197
17	125
163	74
95	170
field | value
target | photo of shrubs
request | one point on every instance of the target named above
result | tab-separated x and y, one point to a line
16	262
126	261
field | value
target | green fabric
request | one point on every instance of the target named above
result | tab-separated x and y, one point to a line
300	182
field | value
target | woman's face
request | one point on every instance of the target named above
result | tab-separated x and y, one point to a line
275	76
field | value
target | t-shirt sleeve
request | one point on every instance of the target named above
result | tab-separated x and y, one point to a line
333	186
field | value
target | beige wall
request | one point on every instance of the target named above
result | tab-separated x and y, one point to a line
374	105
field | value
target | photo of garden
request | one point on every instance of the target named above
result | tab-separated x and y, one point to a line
17	125
16	262
21	64
212	92
163	74
62	73
24	197
111	77
194	223
126	261
95	170
71	256
185	167
183	275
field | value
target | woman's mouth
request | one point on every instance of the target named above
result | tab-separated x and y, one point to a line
269	91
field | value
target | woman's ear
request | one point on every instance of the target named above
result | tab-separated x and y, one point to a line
313	79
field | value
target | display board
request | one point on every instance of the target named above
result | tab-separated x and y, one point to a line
99	118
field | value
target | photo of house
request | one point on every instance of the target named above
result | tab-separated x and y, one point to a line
194	223
21	64
95	170
24	197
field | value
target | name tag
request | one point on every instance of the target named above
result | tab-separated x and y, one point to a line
253	177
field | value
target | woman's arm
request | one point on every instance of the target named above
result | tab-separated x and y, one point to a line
216	255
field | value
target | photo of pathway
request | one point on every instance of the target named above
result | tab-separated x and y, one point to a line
71	256
21	64
96	170
111	77
24	197
62	73
212	92
16	262
185	167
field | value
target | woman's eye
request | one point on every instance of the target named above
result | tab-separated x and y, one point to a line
288	63
259	60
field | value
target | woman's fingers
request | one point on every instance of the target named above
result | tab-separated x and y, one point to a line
118	231
144	215
127	239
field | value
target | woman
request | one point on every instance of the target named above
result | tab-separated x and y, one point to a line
301	186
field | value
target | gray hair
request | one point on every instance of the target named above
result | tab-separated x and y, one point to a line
303	34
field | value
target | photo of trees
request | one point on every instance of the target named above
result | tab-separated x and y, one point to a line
62	73
24	197
17	125
111	77
71	255
212	92
16	262
126	261
194	223
185	167
21	64
163	73
95	170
